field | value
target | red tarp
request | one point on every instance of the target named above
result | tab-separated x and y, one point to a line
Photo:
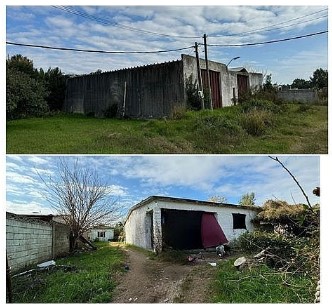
211	232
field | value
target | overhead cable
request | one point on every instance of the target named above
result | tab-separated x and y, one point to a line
268	42
96	51
108	22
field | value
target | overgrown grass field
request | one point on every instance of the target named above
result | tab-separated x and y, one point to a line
261	128
92	280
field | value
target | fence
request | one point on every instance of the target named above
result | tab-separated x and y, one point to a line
302	95
30	240
144	92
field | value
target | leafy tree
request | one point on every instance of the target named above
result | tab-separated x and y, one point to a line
21	63
301	84
247	199
25	96
267	86
319	78
56	85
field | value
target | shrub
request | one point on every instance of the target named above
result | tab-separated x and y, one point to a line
25	97
255	122
193	99
178	112
260	104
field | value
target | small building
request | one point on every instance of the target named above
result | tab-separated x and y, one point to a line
155	91
100	233
186	224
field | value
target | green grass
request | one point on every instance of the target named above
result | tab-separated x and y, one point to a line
91	282
296	129
260	285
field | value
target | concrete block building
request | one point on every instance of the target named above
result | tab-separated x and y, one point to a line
154	91
186	224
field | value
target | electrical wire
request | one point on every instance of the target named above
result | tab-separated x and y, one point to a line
268	42
97	51
108	22
270	27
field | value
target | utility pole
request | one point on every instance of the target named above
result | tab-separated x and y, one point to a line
208	72
199	77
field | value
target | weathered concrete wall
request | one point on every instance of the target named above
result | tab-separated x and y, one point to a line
228	79
137	227
152	91
30	241
255	81
303	95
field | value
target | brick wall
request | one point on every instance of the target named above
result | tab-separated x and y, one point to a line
30	241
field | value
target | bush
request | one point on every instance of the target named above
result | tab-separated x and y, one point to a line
25	97
193	99
178	112
255	122
260	104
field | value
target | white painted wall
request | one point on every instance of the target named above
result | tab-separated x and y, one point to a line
137	232
93	234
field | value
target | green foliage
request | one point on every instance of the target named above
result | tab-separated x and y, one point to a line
267	86
218	199
260	104
260	284
301	84
193	99
23	64
32	92
92	282
25	96
55	82
248	199
255	122
319	79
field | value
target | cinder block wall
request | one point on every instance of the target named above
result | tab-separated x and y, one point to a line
30	241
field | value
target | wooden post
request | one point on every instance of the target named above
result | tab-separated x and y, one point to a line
124	99
8	282
199	76
208	72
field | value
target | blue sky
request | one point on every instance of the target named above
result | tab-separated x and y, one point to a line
236	24
133	178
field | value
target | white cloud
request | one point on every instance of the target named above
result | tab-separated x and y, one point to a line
27	208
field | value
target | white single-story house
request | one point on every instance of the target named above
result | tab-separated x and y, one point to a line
101	233
186	224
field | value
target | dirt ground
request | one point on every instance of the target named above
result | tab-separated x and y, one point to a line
154	281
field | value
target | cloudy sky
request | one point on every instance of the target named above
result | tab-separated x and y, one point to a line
134	178
154	28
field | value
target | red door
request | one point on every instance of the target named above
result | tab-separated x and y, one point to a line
211	232
215	86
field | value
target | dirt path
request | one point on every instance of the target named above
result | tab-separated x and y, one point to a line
153	281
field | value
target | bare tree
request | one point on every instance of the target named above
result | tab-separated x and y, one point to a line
80	197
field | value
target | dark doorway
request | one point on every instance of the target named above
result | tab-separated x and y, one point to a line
181	229
242	85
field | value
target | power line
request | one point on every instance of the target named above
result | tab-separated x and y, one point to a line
169	50
96	51
105	21
270	27
267	42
